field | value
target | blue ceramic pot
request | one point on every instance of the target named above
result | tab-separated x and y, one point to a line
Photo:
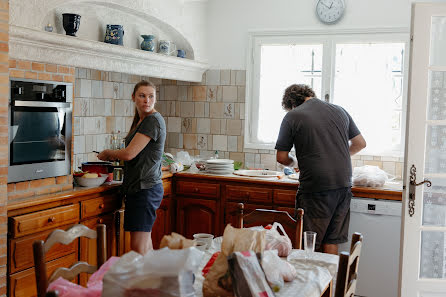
181	53
148	44
114	34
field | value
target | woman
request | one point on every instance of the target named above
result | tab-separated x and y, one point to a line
142	184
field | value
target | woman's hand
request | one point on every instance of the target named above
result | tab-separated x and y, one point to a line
105	155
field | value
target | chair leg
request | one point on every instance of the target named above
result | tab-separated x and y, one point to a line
101	244
40	268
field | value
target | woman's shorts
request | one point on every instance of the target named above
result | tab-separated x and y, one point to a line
140	209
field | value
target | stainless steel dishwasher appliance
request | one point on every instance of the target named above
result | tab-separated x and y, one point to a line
379	221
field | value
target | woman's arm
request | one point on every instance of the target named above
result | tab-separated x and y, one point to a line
135	146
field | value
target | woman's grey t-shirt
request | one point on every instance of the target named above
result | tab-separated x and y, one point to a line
320	133
144	171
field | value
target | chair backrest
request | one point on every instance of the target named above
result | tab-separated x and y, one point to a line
348	268
40	248
262	216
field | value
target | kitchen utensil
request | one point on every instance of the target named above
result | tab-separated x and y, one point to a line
294	176
220	161
259	173
309	243
91	182
204	237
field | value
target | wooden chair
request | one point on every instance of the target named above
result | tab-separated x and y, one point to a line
40	248
348	268
260	216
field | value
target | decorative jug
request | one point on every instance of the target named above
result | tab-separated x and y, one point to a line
114	34
181	53
166	47
148	44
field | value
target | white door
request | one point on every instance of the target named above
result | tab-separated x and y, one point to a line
423	265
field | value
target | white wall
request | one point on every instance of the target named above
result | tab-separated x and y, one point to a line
231	20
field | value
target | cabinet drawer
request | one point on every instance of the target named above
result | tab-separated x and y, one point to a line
167	185
23	283
251	194
198	189
44	220
21	250
97	206
286	197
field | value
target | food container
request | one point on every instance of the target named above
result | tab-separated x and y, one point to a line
98	167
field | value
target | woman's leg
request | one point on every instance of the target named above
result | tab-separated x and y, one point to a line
141	242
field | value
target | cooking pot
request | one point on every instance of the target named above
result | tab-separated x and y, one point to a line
99	167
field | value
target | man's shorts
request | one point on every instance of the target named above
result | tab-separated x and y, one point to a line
327	213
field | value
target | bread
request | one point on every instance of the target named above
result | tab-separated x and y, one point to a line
176	241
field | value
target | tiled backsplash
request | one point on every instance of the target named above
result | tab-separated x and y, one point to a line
201	117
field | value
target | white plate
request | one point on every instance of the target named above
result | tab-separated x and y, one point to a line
220	161
294	176
259	173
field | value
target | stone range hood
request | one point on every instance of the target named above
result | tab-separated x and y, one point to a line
41	46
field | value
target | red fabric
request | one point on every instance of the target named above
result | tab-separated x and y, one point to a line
268	227
209	264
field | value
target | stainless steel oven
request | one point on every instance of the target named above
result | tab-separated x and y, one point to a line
40	115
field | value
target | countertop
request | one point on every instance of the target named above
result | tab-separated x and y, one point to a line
59	197
390	191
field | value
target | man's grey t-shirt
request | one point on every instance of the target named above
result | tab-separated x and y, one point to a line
320	133
144	171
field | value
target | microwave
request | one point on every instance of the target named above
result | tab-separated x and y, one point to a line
40	117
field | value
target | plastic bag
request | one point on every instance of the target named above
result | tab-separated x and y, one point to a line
248	277
161	272
66	288
370	176
184	158
276	241
277	270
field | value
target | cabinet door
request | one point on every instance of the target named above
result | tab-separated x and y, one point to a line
162	224
88	246
23	283
197	216
231	211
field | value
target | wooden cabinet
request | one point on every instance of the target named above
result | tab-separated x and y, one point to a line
197	216
198	189
249	194
94	207
162	224
284	197
23	284
88	247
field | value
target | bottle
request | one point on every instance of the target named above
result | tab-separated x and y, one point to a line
216	155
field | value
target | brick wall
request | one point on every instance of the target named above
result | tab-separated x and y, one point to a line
41	71
4	94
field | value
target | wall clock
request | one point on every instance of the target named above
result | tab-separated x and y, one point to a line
330	11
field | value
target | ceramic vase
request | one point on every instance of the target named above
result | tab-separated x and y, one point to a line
148	44
71	23
114	34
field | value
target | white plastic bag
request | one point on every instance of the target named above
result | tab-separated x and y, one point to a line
276	241
277	270
161	272
370	176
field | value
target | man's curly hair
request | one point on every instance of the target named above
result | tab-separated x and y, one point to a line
295	95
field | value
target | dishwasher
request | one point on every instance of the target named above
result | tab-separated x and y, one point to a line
379	221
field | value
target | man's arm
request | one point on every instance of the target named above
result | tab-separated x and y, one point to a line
286	159
357	143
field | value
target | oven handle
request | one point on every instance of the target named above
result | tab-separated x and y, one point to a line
41	104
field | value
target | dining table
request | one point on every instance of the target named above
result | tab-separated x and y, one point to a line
316	273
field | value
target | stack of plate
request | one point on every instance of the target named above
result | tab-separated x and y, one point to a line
220	166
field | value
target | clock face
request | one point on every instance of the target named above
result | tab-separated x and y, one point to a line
330	11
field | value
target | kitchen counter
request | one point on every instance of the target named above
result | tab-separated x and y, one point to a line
34	203
390	191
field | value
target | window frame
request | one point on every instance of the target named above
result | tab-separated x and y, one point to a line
328	39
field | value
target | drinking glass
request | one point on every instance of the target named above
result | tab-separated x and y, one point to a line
309	243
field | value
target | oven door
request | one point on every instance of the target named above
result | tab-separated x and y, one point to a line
40	140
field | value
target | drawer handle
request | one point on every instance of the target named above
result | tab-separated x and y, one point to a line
51	220
247	195
101	206
100	221
197	190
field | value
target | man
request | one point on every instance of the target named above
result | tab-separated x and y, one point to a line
324	137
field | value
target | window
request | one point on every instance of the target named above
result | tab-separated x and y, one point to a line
364	73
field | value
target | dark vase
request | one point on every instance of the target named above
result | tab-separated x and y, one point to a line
114	34
71	23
